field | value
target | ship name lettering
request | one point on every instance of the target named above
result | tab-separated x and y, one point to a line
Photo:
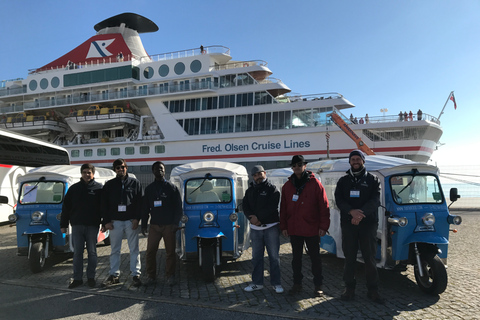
266	146
296	144
216	148
236	147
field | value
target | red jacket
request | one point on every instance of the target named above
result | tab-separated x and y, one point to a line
310	213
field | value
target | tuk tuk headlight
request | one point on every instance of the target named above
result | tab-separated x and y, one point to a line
233	217
456	220
397	221
12	218
184	219
37	216
428	219
208	217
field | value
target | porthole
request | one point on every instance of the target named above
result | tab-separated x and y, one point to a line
179	68
33	85
148	72
55	82
44	83
163	70
195	66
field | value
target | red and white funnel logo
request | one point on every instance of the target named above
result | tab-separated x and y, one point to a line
98	49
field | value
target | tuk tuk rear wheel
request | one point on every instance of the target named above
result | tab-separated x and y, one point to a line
208	263
435	279
37	257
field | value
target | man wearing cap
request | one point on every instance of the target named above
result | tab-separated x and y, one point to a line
305	217
358	197
260	206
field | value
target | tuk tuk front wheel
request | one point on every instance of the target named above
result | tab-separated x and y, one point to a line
208	263
434	280
37	257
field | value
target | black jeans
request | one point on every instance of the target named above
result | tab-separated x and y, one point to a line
365	237
313	247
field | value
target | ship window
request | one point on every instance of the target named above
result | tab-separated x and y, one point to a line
75	153
87	152
101	152
176	106
243	123
179	68
302	118
263	98
209	103
192	104
225	124
115	151
192	126
160	148
227	81
144	150
281	120
208	125
195	66
226	101
245	99
163	70
262	121
44	83
55	82
33	85
244	79
148	72
129	150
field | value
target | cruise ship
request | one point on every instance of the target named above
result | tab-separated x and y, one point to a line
109	99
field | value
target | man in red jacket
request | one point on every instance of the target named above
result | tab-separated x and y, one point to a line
305	217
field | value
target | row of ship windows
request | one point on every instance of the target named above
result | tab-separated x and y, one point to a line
102	152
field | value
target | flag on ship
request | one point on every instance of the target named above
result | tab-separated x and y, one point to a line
452	97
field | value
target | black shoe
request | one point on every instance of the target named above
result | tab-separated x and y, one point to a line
75	283
318	292
375	297
136	281
295	289
348	294
111	280
91	282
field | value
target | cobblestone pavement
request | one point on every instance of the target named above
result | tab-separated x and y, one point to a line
404	300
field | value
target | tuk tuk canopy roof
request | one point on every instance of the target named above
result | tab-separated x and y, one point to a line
201	168
68	173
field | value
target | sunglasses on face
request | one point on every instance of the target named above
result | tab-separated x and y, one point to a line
120	167
300	164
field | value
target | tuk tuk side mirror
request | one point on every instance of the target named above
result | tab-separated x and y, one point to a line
454	196
3	199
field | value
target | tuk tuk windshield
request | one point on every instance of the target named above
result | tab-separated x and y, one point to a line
208	191
407	189
41	192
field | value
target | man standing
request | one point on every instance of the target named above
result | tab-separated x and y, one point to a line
358	197
260	206
163	204
305	217
121	207
81	208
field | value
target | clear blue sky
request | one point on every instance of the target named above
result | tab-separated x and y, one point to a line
400	55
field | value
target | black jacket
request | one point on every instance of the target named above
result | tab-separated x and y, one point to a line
368	200
81	205
170	209
262	200
127	192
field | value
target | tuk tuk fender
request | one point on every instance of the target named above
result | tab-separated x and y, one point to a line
37	230
426	237
209	233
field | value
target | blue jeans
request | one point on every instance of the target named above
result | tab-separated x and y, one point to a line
261	239
84	236
116	236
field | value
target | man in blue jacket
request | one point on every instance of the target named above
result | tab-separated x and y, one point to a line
121	209
260	206
81	208
162	203
358	197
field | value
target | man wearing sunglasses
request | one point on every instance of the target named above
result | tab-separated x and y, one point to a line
304	217
121	209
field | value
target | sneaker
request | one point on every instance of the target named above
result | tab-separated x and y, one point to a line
375	297
348	294
171	281
278	289
136	281
295	289
91	282
111	280
253	287
318	292
75	283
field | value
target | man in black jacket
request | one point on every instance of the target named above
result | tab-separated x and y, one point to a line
121	209
260	206
163	204
358	197
81	208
